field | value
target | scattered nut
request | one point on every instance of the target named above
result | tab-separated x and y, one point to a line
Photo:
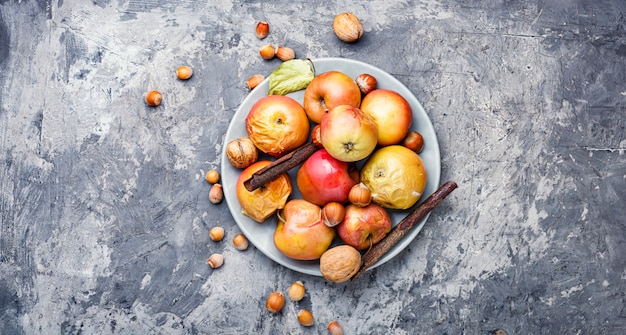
241	152
316	136
216	260
262	29
216	234
333	213
212	176
414	141
340	263
347	27
153	98
275	302
284	53
216	194
366	83
240	242
267	52
184	72
305	317
360	195
255	80
334	328
296	291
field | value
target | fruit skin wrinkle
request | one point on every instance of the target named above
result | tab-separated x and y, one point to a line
396	176
277	124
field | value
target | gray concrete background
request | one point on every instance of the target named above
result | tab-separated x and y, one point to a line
104	211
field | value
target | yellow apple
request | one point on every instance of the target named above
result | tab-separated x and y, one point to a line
395	175
391	112
348	134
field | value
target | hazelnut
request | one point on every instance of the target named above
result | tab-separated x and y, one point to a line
316	136
216	194
262	29
275	302
296	291
305	317
333	213
340	263
153	98
267	52
240	242
216	234
284	53
334	328
212	176
255	80
360	195
216	260
366	83
184	72
414	141
347	27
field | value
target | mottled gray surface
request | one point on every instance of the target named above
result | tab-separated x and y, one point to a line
104	211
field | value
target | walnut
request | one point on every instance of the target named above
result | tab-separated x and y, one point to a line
241	152
340	263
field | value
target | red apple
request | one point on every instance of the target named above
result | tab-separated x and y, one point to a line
277	124
328	90
263	202
348	134
322	179
391	112
364	226
300	233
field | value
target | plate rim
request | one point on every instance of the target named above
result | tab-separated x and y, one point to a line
382	76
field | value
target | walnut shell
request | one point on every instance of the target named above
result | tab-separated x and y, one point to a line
347	27
241	152
340	263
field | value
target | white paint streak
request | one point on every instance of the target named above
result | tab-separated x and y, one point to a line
145	281
583	215
568	292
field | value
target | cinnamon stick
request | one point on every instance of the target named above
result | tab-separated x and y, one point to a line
279	166
377	251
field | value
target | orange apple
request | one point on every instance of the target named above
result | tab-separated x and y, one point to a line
263	202
364	226
391	112
328	90
277	124
395	175
300	233
348	134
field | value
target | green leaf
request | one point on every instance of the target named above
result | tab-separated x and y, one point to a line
290	76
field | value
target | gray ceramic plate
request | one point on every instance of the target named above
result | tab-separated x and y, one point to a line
261	234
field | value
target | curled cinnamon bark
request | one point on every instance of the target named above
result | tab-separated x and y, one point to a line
404	226
280	166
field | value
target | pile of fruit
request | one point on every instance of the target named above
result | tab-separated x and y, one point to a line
355	156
